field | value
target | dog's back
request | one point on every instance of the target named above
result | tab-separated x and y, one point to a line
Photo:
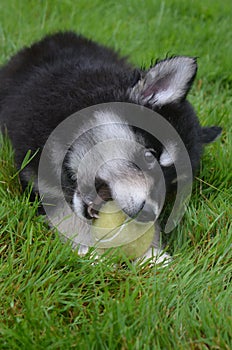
47	82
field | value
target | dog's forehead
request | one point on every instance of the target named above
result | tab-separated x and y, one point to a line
109	125
113	126
104	137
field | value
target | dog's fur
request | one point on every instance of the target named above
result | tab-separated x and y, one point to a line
44	84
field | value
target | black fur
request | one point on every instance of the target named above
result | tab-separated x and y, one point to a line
44	84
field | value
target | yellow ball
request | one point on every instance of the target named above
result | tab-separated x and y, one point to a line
114	229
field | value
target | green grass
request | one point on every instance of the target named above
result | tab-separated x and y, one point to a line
52	299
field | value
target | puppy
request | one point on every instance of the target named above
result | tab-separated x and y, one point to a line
63	74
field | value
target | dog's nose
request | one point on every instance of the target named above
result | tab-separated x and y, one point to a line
146	214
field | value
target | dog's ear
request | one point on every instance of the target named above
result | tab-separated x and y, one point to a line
169	81
210	134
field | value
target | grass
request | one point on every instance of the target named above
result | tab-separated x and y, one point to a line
52	299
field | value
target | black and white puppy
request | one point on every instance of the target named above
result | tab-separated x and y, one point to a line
64	73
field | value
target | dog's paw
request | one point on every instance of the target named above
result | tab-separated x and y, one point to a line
155	256
83	250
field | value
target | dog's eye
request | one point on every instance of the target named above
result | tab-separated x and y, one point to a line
149	156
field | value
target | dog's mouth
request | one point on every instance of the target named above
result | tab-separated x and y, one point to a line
94	206
93	210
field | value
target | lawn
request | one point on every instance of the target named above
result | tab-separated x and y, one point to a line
52	299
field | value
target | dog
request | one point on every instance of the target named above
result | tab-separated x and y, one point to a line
64	73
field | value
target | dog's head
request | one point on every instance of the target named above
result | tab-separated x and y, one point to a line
114	160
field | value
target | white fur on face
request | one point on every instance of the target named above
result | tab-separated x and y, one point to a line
130	193
103	138
115	127
77	205
106	151
169	155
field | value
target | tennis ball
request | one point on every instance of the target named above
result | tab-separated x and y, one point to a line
114	229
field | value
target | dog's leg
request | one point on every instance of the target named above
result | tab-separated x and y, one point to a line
155	253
